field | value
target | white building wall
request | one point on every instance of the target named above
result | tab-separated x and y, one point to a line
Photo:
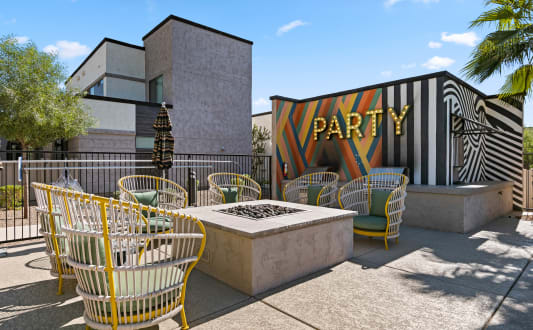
125	89
265	120
94	68
126	61
114	116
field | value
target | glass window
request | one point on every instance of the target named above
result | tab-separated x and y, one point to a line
144	142
98	88
156	90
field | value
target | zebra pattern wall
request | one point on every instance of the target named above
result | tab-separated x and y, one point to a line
426	143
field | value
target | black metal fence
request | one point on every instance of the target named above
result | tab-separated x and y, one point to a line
98	173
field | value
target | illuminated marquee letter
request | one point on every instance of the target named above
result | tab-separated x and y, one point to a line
319	129
374	113
337	130
398	119
350	127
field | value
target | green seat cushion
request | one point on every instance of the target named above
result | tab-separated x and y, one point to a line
140	282
161	224
149	198
312	193
230	194
378	202
370	222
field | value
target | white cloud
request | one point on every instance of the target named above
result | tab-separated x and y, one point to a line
437	63
409	66
261	102
386	73
21	39
287	27
67	49
467	38
390	3
434	44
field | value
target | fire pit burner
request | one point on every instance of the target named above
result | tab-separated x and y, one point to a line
259	212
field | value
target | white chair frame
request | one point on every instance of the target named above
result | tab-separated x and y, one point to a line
296	190
105	241
248	189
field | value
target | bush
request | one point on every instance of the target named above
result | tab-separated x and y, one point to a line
10	197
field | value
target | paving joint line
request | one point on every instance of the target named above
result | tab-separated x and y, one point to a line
485	326
287	314
222	309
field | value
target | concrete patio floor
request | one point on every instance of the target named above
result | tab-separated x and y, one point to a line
431	280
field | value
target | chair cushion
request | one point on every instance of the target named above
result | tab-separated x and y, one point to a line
378	202
162	224
149	198
370	222
313	191
230	194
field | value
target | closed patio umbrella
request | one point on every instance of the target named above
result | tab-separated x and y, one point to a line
164	141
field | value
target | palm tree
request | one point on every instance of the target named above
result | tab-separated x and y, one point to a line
509	47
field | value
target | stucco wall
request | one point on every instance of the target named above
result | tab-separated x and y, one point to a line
112	115
125	60
125	89
94	68
207	78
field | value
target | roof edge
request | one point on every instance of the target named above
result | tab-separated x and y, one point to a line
198	25
384	84
261	113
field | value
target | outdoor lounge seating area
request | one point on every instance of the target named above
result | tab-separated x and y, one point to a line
431	280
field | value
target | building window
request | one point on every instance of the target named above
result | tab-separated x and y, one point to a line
155	91
144	142
98	88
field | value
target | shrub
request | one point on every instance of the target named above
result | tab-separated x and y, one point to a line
10	197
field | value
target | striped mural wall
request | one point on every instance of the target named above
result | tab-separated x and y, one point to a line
423	145
504	151
294	136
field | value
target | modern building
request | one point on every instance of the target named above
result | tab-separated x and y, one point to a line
204	75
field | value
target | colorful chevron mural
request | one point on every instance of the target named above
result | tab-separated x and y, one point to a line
294	136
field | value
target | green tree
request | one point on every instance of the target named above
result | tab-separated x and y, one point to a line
508	48
35	109
260	136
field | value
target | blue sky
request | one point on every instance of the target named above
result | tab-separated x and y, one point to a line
301	48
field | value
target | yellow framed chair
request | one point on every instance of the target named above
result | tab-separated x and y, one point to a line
232	188
318	189
50	220
119	288
156	192
379	200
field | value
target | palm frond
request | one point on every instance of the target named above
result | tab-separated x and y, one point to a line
518	83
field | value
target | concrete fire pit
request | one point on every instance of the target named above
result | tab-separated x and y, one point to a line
256	249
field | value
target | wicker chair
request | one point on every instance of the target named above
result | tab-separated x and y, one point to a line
168	194
379	200
232	188
314	189
119	288
53	234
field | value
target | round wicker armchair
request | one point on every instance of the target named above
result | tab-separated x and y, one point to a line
51	229
314	189
119	288
232	188
379	200
166	194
